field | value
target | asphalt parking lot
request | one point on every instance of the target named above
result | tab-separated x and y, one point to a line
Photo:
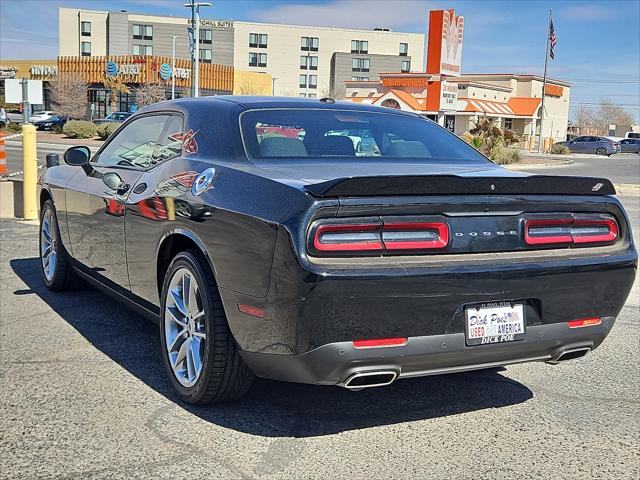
84	395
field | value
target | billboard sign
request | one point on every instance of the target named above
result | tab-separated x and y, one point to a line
13	91
448	96
444	51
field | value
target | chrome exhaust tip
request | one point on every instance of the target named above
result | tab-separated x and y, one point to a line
571	354
376	378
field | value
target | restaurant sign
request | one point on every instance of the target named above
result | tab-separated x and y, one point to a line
44	70
404	81
448	96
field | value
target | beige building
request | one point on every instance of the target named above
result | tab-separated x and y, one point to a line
513	101
298	58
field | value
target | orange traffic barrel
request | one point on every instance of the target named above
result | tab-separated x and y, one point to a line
3	156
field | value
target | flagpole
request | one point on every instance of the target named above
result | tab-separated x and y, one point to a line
544	80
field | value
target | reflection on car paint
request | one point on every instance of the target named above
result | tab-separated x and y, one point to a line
189	143
203	182
176	184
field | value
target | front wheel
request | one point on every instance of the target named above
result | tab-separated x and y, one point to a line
601	151
199	352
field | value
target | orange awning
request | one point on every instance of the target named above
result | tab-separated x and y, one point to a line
524	106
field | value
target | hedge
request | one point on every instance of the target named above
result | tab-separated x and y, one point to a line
79	129
106	129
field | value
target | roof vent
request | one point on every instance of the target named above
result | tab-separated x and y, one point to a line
327	100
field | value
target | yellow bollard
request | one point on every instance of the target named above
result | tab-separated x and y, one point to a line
30	172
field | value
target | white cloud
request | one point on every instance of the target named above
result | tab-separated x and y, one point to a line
590	13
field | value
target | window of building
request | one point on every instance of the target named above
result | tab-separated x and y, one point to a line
313	95
405	66
359	46
360	79
303	81
404	49
143	32
302	94
142	50
309	44
206	55
360	65
308	62
313	81
258	40
508	123
257	59
85	49
85	29
206	37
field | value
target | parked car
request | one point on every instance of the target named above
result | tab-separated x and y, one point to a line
3	117
113	117
50	123
41	115
297	263
593	144
632	135
630	145
14	116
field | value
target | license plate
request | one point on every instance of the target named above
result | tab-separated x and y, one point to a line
494	323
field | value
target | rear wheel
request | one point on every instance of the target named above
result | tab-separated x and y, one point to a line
601	151
198	349
55	263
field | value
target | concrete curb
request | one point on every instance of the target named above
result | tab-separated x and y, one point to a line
563	163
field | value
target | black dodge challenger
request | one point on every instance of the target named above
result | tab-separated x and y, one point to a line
265	243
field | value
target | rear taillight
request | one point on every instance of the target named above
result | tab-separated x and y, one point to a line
574	229
415	235
348	238
376	237
585	322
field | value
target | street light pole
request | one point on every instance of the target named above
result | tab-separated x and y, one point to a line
195	56
173	66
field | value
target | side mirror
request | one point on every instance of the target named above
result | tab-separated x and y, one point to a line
112	180
77	156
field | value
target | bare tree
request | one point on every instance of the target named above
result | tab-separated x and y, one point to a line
116	85
583	117
247	87
610	113
149	93
328	92
69	95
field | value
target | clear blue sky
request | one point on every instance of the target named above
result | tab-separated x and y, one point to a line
598	41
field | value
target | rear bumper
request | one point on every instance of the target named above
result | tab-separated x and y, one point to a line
335	363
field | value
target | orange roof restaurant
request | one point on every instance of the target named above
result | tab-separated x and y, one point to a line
456	101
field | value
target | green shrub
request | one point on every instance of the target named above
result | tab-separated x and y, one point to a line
14	127
505	155
107	129
79	129
558	149
58	129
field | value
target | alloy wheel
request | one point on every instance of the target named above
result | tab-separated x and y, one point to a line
48	253
184	326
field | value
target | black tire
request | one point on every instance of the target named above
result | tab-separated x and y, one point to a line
601	151
63	277
224	375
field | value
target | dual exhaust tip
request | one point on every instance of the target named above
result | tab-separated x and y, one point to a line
376	378
571	354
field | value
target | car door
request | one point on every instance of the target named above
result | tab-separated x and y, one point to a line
575	145
95	212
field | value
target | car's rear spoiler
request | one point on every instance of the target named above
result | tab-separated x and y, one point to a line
457	185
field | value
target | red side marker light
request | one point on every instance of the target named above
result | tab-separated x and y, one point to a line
380	342
249	310
585	322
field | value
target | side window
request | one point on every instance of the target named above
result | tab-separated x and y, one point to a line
135	145
170	144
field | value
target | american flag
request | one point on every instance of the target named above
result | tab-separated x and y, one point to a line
552	40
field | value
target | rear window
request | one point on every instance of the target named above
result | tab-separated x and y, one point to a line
344	134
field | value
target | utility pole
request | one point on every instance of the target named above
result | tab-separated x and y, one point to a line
25	100
195	56
173	66
544	81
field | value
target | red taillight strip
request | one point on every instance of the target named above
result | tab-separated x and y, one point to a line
347	246
253	311
547	239
380	342
585	322
606	237
573	235
441	228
